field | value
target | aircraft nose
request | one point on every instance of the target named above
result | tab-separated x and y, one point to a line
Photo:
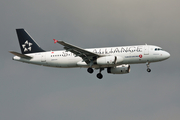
166	55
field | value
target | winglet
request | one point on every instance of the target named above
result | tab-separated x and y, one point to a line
55	41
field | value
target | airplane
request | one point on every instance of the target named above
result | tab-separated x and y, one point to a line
116	60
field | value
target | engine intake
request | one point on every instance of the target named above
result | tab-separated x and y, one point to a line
121	69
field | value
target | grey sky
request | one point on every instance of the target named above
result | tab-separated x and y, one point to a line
41	93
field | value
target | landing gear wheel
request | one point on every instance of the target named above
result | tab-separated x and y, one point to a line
148	70
99	75
90	70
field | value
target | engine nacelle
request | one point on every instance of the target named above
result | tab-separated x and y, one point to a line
109	60
121	69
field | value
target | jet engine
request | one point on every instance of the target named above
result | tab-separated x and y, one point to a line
109	60
121	69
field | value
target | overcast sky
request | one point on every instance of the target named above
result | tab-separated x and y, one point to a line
29	92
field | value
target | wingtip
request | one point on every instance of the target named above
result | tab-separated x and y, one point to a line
55	41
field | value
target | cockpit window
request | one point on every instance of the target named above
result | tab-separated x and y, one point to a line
157	49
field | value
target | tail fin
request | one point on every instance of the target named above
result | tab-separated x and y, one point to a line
27	44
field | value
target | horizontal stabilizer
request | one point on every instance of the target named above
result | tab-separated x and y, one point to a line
21	55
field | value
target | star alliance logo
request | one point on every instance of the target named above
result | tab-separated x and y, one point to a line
27	46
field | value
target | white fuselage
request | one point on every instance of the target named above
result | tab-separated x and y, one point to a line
130	54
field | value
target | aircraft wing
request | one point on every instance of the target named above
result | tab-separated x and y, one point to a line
87	56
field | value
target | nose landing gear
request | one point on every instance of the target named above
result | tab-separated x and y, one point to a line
148	69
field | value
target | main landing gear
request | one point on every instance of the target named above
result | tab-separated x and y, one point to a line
99	75
90	70
148	69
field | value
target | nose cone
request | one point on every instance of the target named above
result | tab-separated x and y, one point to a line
166	55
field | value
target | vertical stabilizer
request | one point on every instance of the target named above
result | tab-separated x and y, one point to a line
26	42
